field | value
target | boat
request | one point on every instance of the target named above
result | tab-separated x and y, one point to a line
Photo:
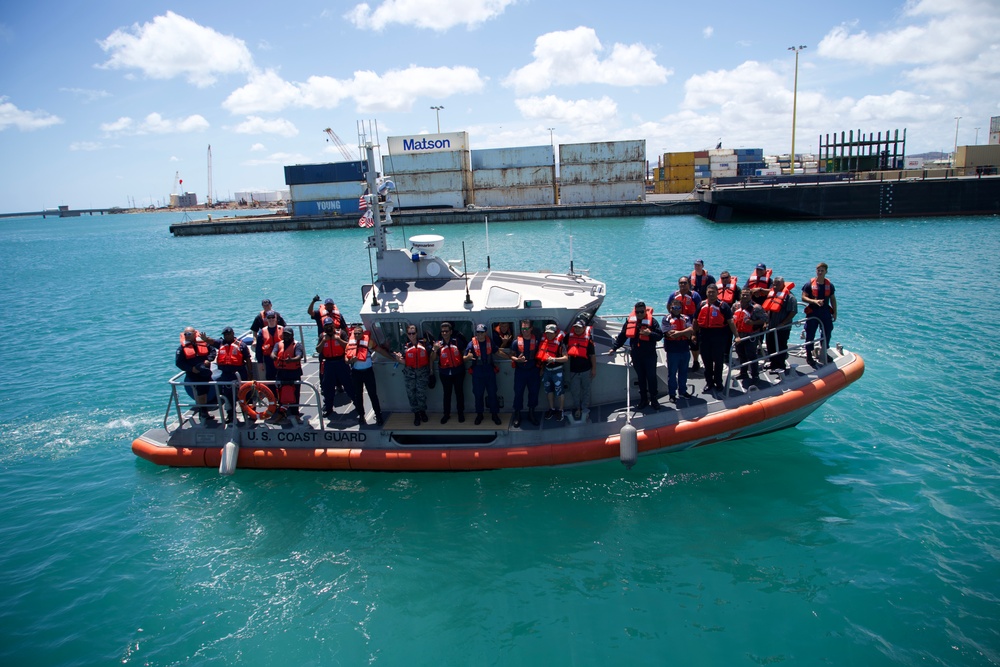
416	286
812	198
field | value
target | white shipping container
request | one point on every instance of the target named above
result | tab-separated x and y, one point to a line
913	163
514	177
809	170
769	172
723	173
429	143
809	164
438	181
603	151
721	152
723	166
602	172
594	193
393	165
431	199
506	158
317	191
519	196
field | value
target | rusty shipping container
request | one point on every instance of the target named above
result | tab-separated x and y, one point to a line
519	196
603	151
506	158
421	163
602	172
602	192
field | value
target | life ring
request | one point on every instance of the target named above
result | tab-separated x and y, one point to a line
263	394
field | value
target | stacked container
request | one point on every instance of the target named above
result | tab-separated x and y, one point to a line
607	171
722	162
678	173
749	160
325	189
702	168
514	176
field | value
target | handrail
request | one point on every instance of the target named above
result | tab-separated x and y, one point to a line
819	344
219	404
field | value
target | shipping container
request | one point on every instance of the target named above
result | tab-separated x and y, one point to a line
723	166
417	144
680	187
601	192
913	163
318	191
679	173
678	159
721	152
421	163
325	207
514	177
435	181
971	157
332	172
700	155
702	161
517	196
602	172
771	171
724	173
603	151
749	154
432	200
505	158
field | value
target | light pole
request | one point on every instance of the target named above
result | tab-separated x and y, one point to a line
977	137
795	100
551	140
437	112
954	155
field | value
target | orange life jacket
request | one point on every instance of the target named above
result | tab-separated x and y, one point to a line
519	347
548	349
332	312
230	355
475	347
358	349
284	358
450	355
741	319
198	349
267	344
727	293
416	355
576	346
333	348
774	300
819	291
711	317
687	303
634	324
697	283
677	323
755	281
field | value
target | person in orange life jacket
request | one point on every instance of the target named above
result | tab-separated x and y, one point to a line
502	338
759	283
328	309
729	289
749	319
233	363
361	349
818	295
522	353
642	332
334	372
484	373
288	355
267	338
447	352
416	360
677	332
690	304
713	325
195	356
582	367
550	357
700	278
782	308
260	321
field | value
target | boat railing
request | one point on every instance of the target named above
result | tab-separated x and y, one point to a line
819	345
179	405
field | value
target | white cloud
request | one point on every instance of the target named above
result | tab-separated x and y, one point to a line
395	90
437	15
258	125
11	116
86	94
85	146
707	31
154	123
256	148
277	158
574	56
172	45
575	113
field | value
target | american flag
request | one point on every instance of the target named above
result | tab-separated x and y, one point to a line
363	202
367	220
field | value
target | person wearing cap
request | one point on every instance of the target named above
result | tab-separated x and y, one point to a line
360	353
550	358
334	371
447	352
260	321
759	283
690	304
749	319
729	288
416	360
288	355
677	332
266	339
327	309
700	278
714	320
818	295
526	375
195	356
642	333
484	373
233	362
781	307
582	367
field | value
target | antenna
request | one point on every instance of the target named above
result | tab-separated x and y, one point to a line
339	144
468	299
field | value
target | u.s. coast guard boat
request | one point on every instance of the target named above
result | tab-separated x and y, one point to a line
416	286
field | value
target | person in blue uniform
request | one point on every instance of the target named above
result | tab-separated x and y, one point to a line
233	362
448	353
713	326
677	332
821	303
522	353
288	356
195	356
260	321
479	351
266	339
334	371
642	333
781	308
690	305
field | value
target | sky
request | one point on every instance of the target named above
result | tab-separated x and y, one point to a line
103	104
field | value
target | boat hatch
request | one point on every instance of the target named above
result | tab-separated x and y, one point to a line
501	297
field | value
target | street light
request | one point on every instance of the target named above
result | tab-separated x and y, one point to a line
954	155
977	137
795	99
437	112
551	140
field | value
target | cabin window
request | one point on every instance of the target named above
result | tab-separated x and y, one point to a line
391	334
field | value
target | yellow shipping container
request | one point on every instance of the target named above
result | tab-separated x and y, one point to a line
678	159
682	173
679	187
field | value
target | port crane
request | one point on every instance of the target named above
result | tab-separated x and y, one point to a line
339	144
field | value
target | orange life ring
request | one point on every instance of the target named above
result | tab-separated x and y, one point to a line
263	394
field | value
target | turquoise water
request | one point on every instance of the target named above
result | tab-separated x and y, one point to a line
869	535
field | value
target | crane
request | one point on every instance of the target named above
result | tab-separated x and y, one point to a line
339	144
